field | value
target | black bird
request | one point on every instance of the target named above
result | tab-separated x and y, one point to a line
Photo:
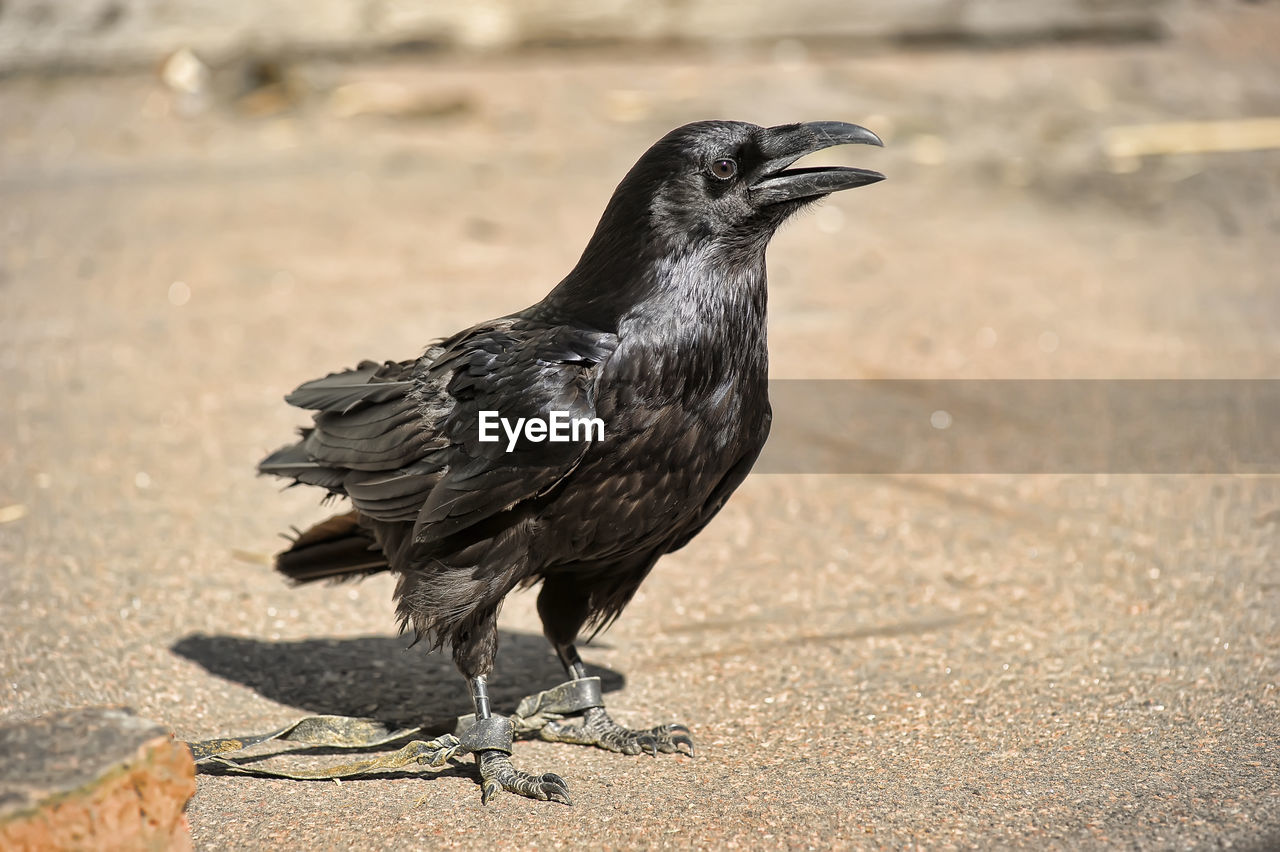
658	334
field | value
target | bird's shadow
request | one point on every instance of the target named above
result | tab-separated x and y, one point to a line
379	677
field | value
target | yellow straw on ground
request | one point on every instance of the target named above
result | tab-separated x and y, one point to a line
1192	137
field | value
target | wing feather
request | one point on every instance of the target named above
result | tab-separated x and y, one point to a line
517	371
402	439
367	384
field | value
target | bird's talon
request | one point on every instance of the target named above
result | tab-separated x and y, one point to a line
681	740
596	728
554	788
498	774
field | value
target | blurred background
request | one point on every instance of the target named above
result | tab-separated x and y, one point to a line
203	204
1068	177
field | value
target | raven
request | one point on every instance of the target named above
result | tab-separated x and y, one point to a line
658	334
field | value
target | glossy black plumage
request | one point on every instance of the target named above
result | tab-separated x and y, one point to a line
659	331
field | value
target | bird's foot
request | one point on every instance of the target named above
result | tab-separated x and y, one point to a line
497	774
595	727
490	740
573	712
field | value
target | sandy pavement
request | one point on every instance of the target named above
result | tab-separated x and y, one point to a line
1075	660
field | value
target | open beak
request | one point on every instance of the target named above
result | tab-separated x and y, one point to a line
774	183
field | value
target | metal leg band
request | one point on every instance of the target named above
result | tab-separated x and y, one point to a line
570	697
492	734
535	711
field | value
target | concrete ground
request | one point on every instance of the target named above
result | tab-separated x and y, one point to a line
865	661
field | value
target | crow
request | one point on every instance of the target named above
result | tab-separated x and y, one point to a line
654	343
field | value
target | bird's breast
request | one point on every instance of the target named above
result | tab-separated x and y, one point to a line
663	454
683	398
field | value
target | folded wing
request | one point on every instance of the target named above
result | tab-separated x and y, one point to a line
402	439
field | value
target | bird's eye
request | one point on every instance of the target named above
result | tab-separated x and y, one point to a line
724	168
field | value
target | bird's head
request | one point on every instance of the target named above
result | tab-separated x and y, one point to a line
710	194
732	181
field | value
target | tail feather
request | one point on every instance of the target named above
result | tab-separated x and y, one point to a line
335	549
293	461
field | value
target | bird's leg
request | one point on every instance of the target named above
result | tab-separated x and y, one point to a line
475	646
490	739
595	727
564	606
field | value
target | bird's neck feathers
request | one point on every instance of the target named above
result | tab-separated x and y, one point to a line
703	295
688	297
640	265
